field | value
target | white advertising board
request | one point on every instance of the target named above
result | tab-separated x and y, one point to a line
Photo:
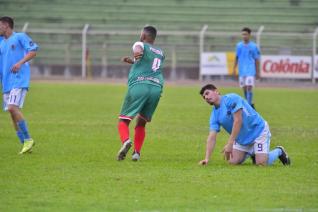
286	66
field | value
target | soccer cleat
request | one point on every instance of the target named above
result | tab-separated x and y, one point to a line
123	150
253	106
27	146
136	156
284	156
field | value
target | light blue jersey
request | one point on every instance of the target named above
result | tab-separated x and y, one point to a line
252	123
246	55
12	50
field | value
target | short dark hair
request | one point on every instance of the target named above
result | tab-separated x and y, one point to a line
246	29
151	31
207	87
8	20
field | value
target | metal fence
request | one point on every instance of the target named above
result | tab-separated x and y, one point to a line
93	52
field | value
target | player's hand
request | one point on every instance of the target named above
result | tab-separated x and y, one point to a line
227	151
137	56
204	162
127	60
16	67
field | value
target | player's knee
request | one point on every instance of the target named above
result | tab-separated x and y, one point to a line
12	109
234	161
126	121
141	122
261	162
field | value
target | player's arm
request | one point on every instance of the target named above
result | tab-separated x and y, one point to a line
235	60
29	46
138	51
257	64
29	56
128	60
235	65
210	144
257	55
237	124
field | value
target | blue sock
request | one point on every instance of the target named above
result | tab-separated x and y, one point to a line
245	94
20	136
249	97
24	129
273	155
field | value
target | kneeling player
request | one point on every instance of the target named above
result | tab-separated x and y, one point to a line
249	132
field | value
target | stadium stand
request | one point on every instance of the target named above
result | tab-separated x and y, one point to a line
295	16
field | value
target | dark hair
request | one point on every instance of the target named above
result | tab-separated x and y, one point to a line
246	29
151	32
207	87
8	20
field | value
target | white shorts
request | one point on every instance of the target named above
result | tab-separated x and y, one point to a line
247	81
261	144
15	97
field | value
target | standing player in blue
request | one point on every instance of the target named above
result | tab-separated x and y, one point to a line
247	58
249	132
16	49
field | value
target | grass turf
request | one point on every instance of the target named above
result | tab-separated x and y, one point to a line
73	166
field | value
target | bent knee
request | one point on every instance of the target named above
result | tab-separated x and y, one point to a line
261	159
261	162
234	162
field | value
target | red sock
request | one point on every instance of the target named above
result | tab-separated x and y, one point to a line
123	130
140	133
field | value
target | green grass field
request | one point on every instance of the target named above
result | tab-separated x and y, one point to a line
73	166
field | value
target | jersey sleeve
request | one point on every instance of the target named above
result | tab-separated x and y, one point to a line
234	103
27	43
214	124
256	53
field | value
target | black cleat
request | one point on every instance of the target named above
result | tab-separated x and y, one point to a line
284	157
123	150
253	106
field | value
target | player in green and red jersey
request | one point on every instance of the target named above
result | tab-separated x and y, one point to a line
145	82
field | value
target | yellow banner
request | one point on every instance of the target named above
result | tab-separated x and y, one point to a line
230	56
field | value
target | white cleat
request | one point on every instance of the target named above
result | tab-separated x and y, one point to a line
136	156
